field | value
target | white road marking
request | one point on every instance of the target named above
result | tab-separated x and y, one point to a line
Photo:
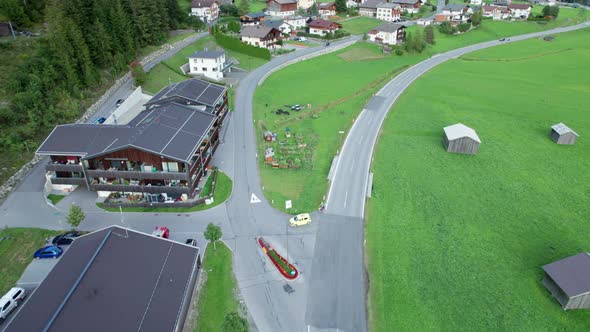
345	198
254	199
352	165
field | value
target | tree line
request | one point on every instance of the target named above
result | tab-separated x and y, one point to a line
86	42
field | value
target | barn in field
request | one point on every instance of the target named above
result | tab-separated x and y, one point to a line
562	134
461	139
568	280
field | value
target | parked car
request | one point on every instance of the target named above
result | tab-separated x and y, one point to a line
10	301
119	102
65	238
162	232
302	39
101	120
502	39
48	252
191	242
300	220
296	107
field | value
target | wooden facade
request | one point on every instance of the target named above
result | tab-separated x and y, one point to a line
463	145
566	138
581	301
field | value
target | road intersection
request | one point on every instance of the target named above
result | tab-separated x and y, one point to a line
330	293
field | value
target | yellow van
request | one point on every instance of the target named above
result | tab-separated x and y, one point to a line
300	220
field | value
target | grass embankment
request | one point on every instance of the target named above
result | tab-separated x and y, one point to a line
17	246
347	80
458	241
217	297
360	25
55	198
338	95
169	70
223	190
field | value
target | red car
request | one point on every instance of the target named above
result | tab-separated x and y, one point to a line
162	232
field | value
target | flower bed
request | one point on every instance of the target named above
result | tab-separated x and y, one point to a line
287	270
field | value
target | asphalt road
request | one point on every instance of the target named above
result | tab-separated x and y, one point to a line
108	106
261	286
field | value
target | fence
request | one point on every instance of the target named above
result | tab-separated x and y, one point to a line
196	202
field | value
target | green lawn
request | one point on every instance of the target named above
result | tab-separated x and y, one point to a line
55	198
351	76
457	242
256	6
223	190
217	297
338	103
17	246
169	70
360	24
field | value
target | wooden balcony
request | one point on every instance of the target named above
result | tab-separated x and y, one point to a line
74	181
136	175
141	189
57	167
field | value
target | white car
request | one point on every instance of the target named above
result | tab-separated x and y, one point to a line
10	301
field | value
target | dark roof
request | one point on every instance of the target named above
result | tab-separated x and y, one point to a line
326	5
256	31
202	3
519	6
323	24
389	27
192	90
273	23
207	54
128	281
406	2
172	130
370	4
571	274
283	2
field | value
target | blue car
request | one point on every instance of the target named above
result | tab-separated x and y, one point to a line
49	252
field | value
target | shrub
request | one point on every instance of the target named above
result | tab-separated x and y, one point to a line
463	27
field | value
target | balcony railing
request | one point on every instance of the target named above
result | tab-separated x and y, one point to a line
75	181
136	175
56	167
141	189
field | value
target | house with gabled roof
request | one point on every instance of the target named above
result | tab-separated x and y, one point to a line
253	18
322	27
165	149
206	10
388	34
281	8
327	9
260	36
114	279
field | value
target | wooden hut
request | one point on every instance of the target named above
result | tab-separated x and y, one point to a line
461	139
562	134
269	153
568	280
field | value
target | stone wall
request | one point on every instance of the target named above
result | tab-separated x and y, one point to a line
15	179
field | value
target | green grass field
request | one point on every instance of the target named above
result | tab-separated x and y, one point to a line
217	297
17	246
336	98
457	242
338	95
169	70
223	190
55	198
359	25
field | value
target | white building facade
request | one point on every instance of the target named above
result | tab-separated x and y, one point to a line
206	10
210	64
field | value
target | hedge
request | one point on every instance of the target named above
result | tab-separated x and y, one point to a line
234	44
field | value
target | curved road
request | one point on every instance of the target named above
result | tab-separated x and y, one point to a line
330	246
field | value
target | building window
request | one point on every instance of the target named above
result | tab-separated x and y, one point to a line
195	68
204	68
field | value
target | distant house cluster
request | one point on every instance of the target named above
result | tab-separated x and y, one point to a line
456	13
504	11
388	11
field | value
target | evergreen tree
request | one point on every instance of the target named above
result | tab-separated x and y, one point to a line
15	12
476	18
429	35
313	10
175	15
341	6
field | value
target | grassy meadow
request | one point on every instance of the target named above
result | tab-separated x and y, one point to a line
457	242
17	246
335	99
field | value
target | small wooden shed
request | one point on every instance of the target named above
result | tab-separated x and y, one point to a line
568	280
562	134
269	153
461	139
